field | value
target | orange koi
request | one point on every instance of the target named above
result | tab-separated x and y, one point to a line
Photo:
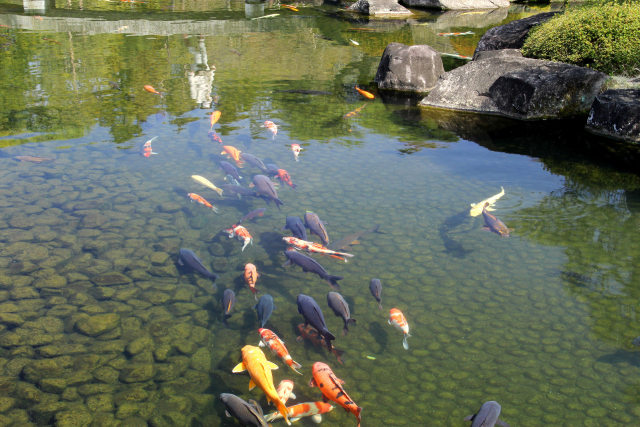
285	391
296	150
271	340
310	334
313	247
151	89
284	177
290	7
307	409
240	233
397	319
354	112
466	33
272	127
215	116
232	152
331	388
251	277
197	198
364	93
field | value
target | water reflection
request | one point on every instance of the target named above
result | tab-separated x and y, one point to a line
200	76
254	8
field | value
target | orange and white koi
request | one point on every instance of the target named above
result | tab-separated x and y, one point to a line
313	247
271	126
271	340
251	277
306	409
331	387
397	319
151	89
240	233
254	361
296	150
215	116
364	93
147	151
197	198
284	177
232	152
285	391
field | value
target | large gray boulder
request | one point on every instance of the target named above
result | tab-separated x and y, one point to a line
506	84
511	35
456	4
409	68
379	7
616	114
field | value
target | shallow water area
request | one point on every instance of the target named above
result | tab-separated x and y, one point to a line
99	325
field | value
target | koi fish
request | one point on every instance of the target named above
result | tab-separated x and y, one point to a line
313	247
295	225
248	413
229	169
355	43
228	300
310	265
232	152
476	208
311	335
354	112
265	189
284	177
254	361
204	181
492	223
352	239
264	309
337	303
307	409
285	391
272	127
215	116
315	226
147	151
313	316
331	387
487	416
364	93
252	214
240	233
396	318
251	277
271	340
296	150
197	198
187	258
375	286
466	33
151	89
273	15
34	159
290	7
215	137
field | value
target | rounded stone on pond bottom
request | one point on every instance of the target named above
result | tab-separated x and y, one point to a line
98	324
134	373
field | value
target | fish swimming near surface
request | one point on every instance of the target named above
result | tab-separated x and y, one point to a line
285	391
295	225
215	137
228	300
375	286
352	239
313	316
397	319
147	150
313	223
238	190
364	93
198	198
284	177
308	333
253	214
331	387
248	413
272	15
265	188
276	345
204	181
254	361
215	116
487	416
264	308
187	258
240	233
492	223
253	161
290	7
272	169
151	89
232	152
309	264
295	148
313	247
34	159
273	128
229	169
341	309
476	208
251	277
301	410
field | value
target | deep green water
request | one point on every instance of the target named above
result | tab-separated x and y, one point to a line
541	321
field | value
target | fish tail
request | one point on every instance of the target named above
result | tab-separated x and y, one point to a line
380	305
295	366
219	191
333	281
283	410
405	344
278	202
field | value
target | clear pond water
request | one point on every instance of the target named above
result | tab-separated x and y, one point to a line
98	326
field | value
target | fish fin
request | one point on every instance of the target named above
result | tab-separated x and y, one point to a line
470	417
270	417
287	263
219	191
271	365
293	396
261	344
295	366
239	368
388	321
405	344
316	418
313	383
180	262
293	420
252	385
227	414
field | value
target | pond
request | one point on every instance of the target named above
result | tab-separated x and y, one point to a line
99	325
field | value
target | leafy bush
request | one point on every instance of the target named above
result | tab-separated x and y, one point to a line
605	37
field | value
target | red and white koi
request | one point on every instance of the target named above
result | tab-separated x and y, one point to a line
271	340
285	391
397	319
306	409
284	177
272	127
147	151
198	198
296	150
240	233
313	247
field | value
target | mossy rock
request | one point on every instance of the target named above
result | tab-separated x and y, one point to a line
111	279
135	373
99	324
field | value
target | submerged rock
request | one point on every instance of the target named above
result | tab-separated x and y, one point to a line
409	68
616	114
457	4
98	324
379	7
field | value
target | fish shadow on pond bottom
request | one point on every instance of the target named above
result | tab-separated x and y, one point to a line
379	332
621	356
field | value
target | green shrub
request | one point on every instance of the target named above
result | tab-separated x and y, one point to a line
605	37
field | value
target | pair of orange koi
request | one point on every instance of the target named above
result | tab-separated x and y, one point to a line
313	247
198	198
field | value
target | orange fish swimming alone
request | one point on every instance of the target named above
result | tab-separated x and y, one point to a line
198	198
151	89
271	340
215	116
290	7
364	93
331	388
241	233
397	319
284	177
307	409
254	361
251	277
296	150
232	152
271	126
